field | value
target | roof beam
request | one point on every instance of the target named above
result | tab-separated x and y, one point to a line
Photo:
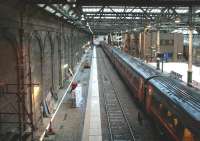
138	2
89	14
121	2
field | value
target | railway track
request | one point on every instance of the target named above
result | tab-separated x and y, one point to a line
119	127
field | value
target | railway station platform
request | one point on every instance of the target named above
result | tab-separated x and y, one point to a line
67	120
92	123
111	113
76	70
181	68
105	109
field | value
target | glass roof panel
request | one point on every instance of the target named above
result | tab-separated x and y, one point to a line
49	9
66	7
137	11
41	5
184	31
91	9
118	10
107	10
181	11
197	11
155	11
129	9
58	14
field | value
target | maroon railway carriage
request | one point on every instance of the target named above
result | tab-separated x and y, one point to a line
174	107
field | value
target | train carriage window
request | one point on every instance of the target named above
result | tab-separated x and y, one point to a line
175	122
160	107
163	111
169	114
178	127
187	135
169	119
155	103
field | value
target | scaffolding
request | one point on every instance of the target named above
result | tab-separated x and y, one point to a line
16	111
16	115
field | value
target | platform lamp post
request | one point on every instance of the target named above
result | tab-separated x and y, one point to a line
144	44
189	76
153	52
140	44
158	40
160	57
158	48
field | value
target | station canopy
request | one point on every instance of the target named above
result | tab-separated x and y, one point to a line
109	16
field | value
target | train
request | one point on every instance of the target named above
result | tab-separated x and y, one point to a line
173	106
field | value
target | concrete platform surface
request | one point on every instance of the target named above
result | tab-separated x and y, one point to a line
68	122
180	68
92	124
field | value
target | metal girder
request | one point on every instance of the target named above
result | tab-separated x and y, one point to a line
122	2
139	2
104	21
112	23
117	17
129	14
120	14
50	1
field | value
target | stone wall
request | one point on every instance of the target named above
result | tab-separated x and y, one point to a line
34	47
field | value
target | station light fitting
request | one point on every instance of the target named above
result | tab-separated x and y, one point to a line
82	18
177	20
41	5
149	26
65	66
197	11
58	14
71	12
49	9
36	90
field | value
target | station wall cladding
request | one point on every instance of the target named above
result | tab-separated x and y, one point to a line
34	48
